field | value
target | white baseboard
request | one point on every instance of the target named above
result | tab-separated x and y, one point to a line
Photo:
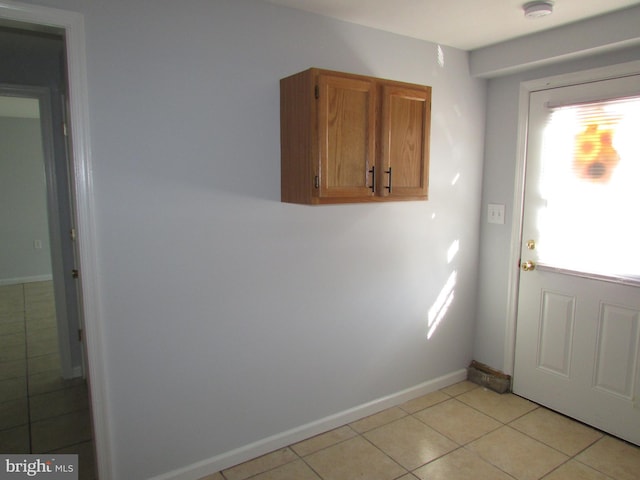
280	440
18	280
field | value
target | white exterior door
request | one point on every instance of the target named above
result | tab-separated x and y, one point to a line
578	321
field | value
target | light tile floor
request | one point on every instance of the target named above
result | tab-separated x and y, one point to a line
463	432
39	411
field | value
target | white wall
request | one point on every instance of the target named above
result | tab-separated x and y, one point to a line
229	316
491	339
23	196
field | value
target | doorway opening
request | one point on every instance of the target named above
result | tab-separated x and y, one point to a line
42	368
35	18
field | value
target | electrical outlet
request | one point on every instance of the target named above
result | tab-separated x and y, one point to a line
495	213
37	244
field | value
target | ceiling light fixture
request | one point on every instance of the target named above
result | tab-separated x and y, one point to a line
537	9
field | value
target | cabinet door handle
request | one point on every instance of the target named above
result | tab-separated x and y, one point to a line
388	187
373	179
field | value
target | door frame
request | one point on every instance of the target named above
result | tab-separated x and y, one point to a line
526	87
72	24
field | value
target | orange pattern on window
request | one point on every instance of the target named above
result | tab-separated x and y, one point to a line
595	158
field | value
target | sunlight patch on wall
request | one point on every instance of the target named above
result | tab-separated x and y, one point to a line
440	57
439	308
453	250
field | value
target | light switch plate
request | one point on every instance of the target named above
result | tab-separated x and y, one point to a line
495	213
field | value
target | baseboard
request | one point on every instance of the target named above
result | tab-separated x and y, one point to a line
19	280
269	444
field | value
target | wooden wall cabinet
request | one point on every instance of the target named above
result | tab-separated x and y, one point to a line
352	138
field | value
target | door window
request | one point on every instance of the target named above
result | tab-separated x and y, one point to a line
588	187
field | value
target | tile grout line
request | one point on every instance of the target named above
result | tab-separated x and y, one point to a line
570	457
307	463
357	434
465	446
30	421
406	470
497	467
507	424
26	366
502	424
460	446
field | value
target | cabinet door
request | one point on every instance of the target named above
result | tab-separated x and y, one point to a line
346	126
406	114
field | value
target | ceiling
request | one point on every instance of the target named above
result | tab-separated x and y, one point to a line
464	24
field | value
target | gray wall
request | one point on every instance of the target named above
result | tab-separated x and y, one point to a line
23	196
229	317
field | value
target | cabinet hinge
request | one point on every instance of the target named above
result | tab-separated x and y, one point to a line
80	335
316	182
65	129
317	91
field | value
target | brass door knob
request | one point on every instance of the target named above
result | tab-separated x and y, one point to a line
528	266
